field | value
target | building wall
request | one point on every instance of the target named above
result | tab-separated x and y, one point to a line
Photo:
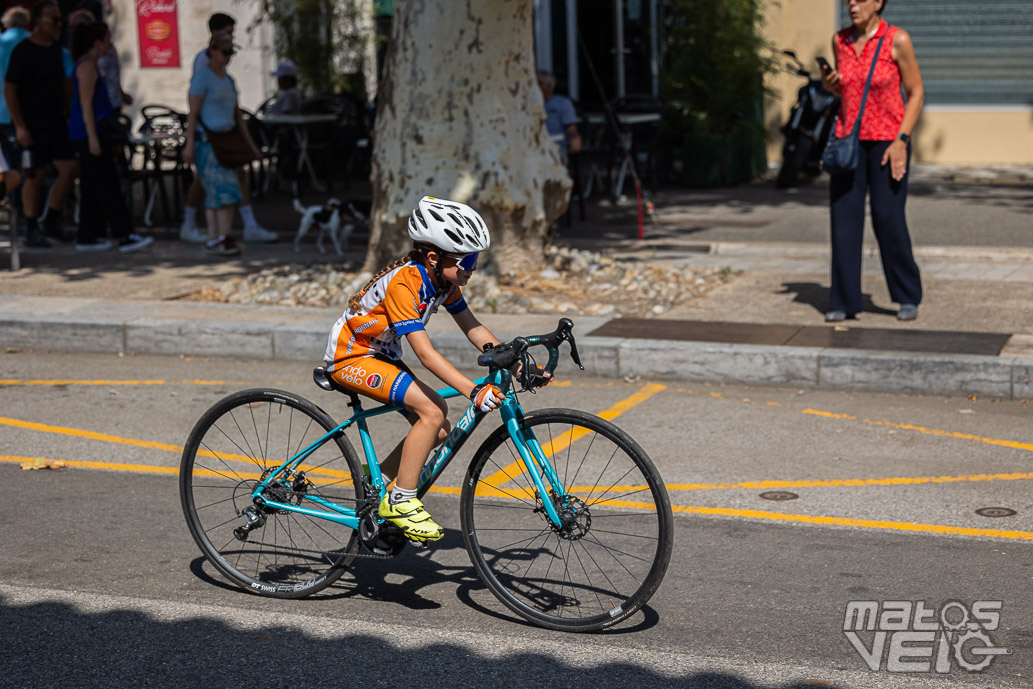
805	27
250	67
944	134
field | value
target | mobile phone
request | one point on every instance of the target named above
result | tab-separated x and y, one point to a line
826	68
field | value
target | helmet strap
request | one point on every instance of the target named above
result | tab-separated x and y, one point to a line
423	250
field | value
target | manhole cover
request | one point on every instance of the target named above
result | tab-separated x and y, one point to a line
779	495
995	512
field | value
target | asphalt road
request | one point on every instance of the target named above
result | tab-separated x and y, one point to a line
101	584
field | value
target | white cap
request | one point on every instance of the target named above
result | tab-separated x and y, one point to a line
286	68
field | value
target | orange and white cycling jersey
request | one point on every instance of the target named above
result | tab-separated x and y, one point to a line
399	302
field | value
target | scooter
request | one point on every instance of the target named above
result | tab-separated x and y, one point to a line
810	124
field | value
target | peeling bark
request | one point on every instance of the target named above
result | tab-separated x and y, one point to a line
460	116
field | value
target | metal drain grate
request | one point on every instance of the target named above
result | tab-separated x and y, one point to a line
779	495
995	512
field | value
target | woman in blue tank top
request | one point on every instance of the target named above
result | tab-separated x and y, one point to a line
101	201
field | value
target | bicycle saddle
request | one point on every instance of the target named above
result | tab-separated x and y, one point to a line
323	379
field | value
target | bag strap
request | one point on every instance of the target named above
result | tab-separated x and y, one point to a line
868	82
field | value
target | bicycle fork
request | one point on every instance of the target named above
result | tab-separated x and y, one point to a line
552	496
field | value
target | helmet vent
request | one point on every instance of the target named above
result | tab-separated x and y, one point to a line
419	216
453	236
435	215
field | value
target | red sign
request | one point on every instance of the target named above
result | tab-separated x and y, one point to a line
159	33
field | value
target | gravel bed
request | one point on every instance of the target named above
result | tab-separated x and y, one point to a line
572	281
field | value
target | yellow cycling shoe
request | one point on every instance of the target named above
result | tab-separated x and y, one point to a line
414	521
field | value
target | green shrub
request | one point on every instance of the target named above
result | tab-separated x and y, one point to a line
715	60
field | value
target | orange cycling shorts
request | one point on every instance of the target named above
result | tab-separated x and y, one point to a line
374	376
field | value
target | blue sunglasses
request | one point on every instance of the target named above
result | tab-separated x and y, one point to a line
468	262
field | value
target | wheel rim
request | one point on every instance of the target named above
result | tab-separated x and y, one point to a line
241	444
607	558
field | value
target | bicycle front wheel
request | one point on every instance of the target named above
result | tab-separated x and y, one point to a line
272	552
611	552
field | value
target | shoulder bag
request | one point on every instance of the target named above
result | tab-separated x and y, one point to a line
231	148
843	154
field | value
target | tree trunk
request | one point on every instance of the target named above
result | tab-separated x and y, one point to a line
460	116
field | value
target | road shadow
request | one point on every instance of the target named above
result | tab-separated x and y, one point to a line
817	297
59	644
411	572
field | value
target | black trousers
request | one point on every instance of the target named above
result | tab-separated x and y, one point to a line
101	202
847	194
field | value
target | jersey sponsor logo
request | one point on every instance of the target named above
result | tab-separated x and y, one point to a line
373	381
352	375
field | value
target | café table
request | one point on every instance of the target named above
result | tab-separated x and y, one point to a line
299	125
627	122
152	146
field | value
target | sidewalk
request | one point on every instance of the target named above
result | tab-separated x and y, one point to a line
974	334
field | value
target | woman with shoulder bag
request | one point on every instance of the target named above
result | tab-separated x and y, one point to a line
92	128
884	153
218	142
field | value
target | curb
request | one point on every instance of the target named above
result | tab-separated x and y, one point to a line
297	334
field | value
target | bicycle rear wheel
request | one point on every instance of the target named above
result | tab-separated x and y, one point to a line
610	555
237	442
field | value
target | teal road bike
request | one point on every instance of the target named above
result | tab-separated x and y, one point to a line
565	518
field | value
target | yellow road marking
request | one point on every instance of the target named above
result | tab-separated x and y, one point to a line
859	523
878	525
503	475
89	435
829	414
926	431
168	471
849	482
105	466
61	381
13	381
153	445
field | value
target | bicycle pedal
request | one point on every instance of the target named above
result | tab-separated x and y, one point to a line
416	544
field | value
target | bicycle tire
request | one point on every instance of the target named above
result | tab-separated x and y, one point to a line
235	442
499	504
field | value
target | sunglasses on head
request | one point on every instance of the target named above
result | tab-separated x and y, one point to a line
228	52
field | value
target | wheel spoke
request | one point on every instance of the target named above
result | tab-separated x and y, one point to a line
297	553
604	560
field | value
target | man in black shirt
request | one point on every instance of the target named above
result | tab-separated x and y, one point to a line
35	92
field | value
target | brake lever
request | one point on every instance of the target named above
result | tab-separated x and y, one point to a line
525	373
569	337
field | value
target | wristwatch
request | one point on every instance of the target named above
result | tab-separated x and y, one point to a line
904	137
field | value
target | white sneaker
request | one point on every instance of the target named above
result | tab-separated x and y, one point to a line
134	242
259	235
192	234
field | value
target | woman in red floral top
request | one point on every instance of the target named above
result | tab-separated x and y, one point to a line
885	135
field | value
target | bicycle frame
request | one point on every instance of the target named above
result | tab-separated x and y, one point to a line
542	473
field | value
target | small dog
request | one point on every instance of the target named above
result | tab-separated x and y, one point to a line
328	218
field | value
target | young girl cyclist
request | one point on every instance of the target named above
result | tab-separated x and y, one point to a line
364	349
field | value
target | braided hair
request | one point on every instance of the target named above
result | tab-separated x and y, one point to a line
416	255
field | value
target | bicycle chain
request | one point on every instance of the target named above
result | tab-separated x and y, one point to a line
363	552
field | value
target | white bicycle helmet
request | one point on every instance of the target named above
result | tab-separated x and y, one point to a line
453	227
